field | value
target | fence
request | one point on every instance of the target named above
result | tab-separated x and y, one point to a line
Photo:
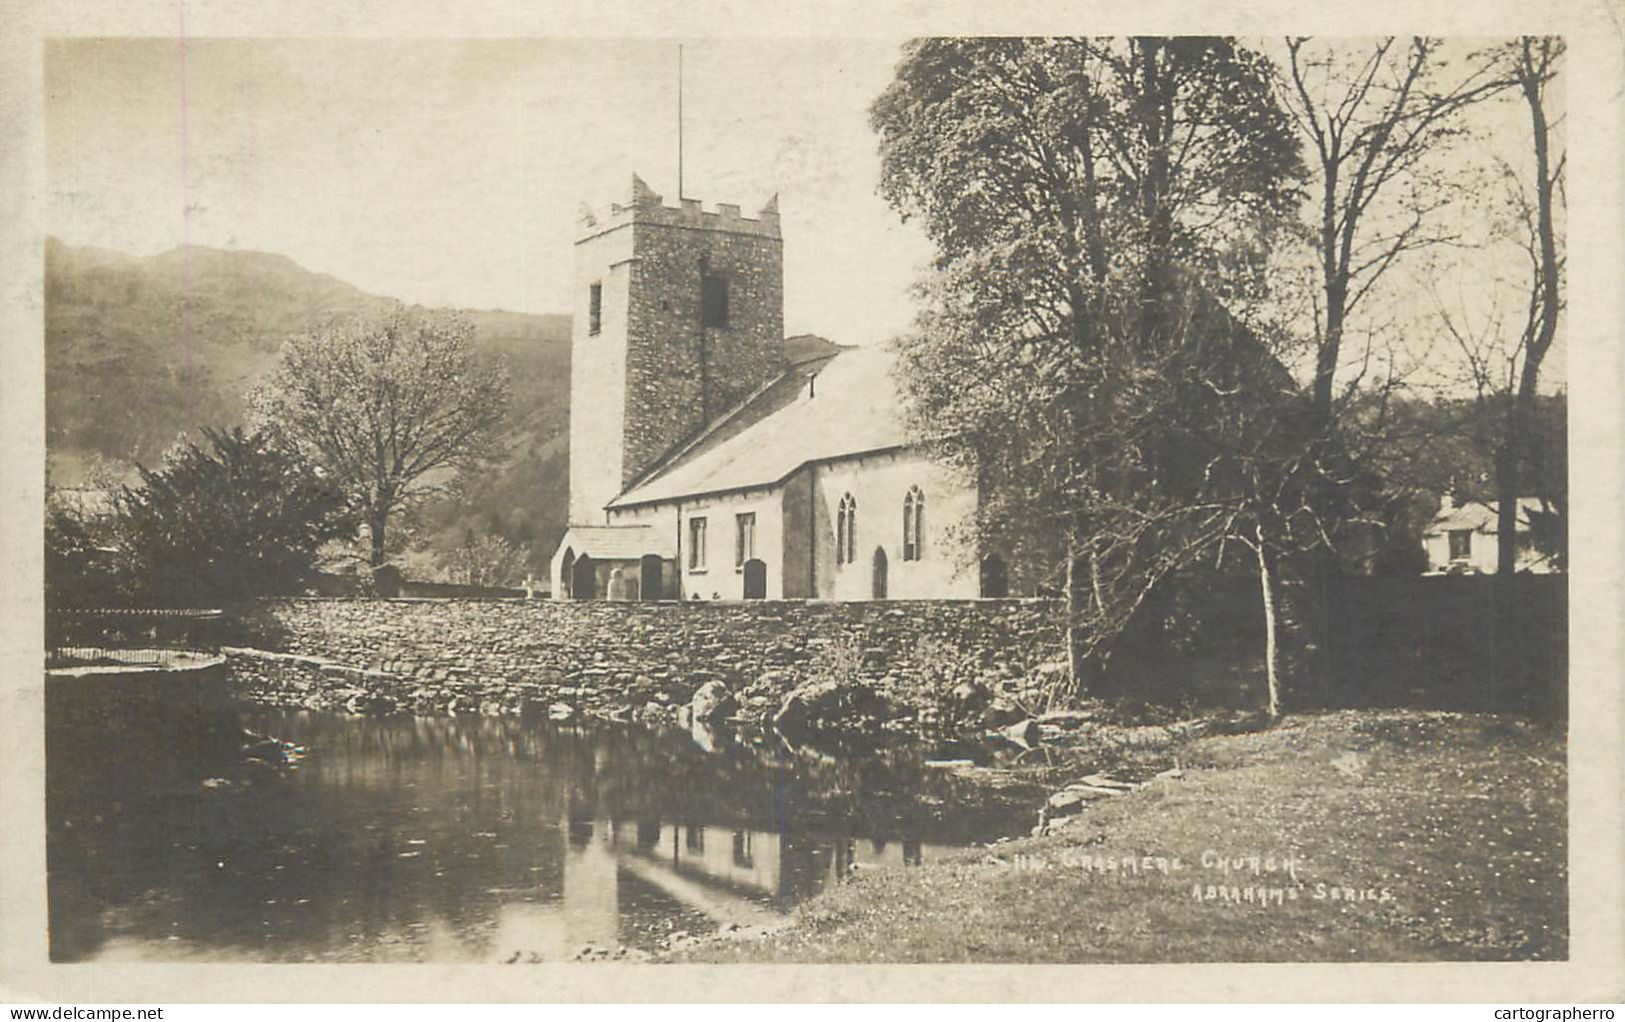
132	636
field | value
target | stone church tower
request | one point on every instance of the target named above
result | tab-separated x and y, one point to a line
678	317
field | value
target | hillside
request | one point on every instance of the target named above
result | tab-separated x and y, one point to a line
139	350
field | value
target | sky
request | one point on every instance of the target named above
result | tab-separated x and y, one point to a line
452	172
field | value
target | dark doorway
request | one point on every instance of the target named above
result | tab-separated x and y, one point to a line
584	579
995	578
567	567
878	585
755	579
650	578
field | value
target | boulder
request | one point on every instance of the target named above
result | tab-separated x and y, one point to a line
1102	781
969	698
560	711
832	705
713	701
369	702
1026	733
1067	718
1074	797
1002	713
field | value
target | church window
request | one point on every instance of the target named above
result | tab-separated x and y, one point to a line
744	538
846	527
913	524
595	308
714	301
696	544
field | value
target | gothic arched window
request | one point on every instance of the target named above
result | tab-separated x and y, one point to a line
846	524
913	524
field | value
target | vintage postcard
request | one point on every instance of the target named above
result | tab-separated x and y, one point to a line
638	506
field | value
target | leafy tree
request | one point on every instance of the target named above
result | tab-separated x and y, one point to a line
389	408
1103	212
78	562
242	518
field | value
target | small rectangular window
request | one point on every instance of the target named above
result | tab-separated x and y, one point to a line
1461	544
714	302
595	308
744	538
696	543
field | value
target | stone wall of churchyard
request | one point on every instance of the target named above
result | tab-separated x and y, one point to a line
625	659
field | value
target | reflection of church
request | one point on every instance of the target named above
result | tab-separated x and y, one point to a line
711	457
616	875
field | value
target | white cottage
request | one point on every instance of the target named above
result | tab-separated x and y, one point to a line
1463	538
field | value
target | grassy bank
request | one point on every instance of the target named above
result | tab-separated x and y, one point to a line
1394	835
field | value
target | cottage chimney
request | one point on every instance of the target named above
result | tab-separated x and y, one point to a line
1447	503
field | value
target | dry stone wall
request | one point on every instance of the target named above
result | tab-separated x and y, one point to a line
625	659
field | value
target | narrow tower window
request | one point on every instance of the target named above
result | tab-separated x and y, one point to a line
714	301
846	525
595	308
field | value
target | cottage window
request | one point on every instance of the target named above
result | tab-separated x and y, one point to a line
696	544
595	308
846	525
1461	544
714	301
913	524
744	538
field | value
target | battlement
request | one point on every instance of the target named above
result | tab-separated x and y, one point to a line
644	206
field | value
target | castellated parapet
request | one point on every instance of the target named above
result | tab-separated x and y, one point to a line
651	366
645	206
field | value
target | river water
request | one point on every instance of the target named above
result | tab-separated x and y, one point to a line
471	839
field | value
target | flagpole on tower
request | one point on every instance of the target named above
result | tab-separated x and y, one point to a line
679	122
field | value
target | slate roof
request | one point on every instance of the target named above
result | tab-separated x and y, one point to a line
617	542
851	408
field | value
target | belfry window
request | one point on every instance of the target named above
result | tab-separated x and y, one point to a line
913	524
595	308
846	527
714	301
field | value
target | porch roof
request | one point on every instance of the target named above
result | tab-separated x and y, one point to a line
618	542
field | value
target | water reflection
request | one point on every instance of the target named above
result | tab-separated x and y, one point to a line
418	839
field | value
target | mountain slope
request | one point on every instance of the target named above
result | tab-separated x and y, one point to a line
138	351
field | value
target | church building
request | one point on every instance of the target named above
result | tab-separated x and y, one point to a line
713	458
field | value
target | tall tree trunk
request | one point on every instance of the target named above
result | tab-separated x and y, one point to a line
376	528
1074	670
1507	485
1535	64
1272	646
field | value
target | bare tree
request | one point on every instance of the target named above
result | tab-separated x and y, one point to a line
1371	119
1504	350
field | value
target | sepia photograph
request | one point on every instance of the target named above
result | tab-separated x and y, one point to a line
964	498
